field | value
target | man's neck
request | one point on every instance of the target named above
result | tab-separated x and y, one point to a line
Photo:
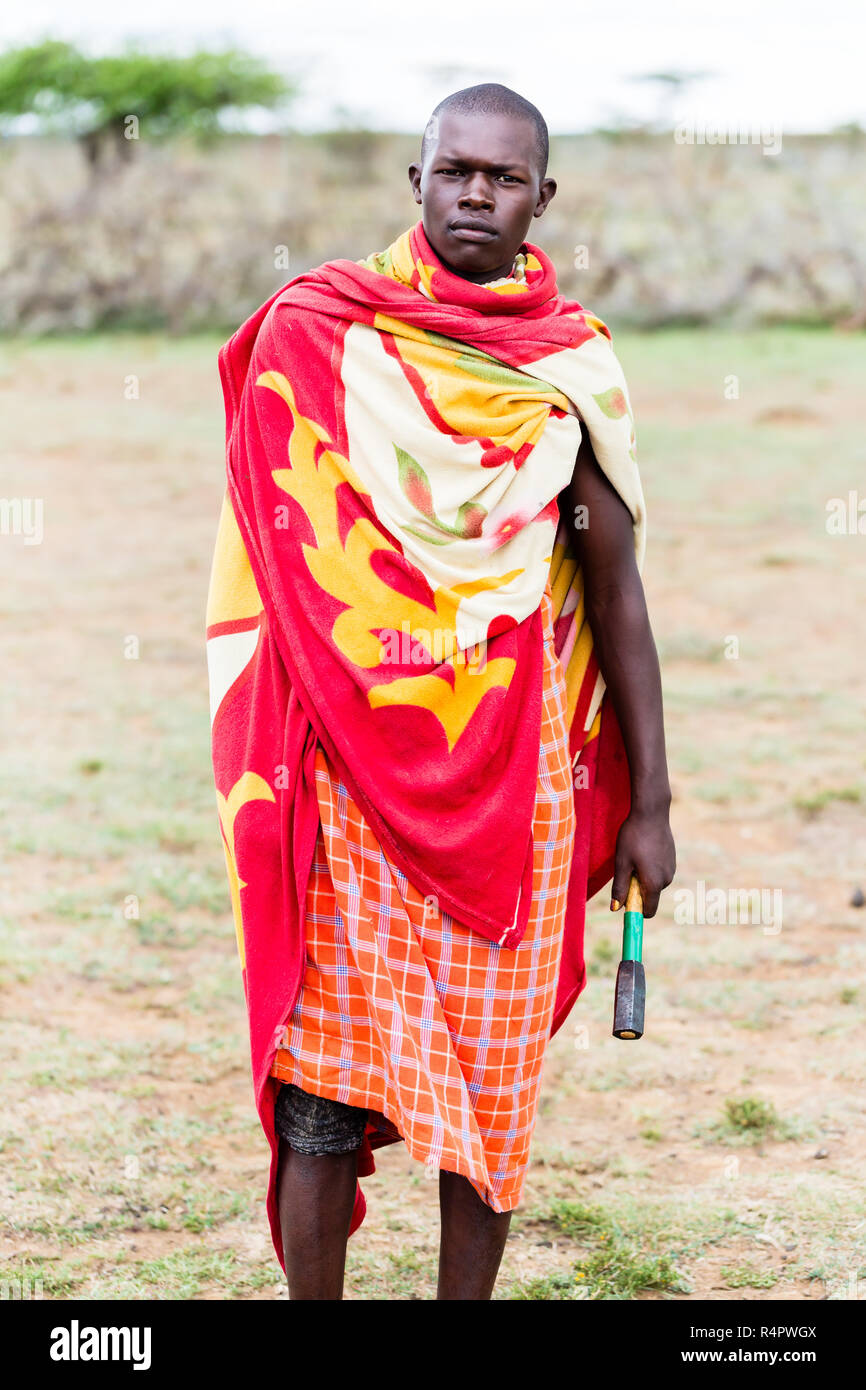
481	277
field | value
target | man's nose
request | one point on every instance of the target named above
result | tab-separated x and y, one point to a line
477	192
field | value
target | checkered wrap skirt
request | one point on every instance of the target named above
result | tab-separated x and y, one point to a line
418	1018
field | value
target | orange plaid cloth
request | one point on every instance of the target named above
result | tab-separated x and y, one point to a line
411	1014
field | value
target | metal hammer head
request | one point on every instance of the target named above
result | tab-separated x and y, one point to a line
629	1000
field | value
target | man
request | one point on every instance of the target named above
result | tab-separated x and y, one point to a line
437	714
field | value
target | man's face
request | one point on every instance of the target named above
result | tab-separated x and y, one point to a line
479	188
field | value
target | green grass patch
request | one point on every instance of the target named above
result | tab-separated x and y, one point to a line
751	1114
813	804
186	1274
602	958
578	1221
747	1276
620	1261
622	1272
750	1120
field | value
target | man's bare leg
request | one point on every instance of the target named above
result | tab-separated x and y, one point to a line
315	1194
472	1241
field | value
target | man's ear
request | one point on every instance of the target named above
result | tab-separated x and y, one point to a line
546	191
415	180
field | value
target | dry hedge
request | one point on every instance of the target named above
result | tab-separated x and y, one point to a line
183	238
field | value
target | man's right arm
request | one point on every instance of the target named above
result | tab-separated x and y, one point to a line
616	611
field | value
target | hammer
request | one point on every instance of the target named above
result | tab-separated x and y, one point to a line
630	996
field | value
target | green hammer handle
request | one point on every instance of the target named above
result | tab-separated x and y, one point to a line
632	925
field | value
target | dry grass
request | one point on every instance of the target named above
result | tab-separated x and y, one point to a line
642	228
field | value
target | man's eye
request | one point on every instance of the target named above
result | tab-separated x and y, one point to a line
459	173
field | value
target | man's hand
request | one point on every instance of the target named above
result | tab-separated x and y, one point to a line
645	848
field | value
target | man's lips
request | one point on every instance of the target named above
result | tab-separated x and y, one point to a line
471	229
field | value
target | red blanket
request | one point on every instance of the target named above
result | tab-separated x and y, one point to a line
397	440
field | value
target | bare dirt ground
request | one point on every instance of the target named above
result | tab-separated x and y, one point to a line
721	1157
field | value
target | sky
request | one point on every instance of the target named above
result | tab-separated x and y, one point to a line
792	64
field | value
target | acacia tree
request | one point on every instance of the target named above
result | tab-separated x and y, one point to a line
105	102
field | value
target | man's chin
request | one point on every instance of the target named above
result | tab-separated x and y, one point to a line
474	257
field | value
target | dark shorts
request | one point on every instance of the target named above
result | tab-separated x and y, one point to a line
314	1125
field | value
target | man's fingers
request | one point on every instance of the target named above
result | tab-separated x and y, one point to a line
649	894
651	902
619	887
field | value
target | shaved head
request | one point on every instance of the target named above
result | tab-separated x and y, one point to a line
490	99
481	178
